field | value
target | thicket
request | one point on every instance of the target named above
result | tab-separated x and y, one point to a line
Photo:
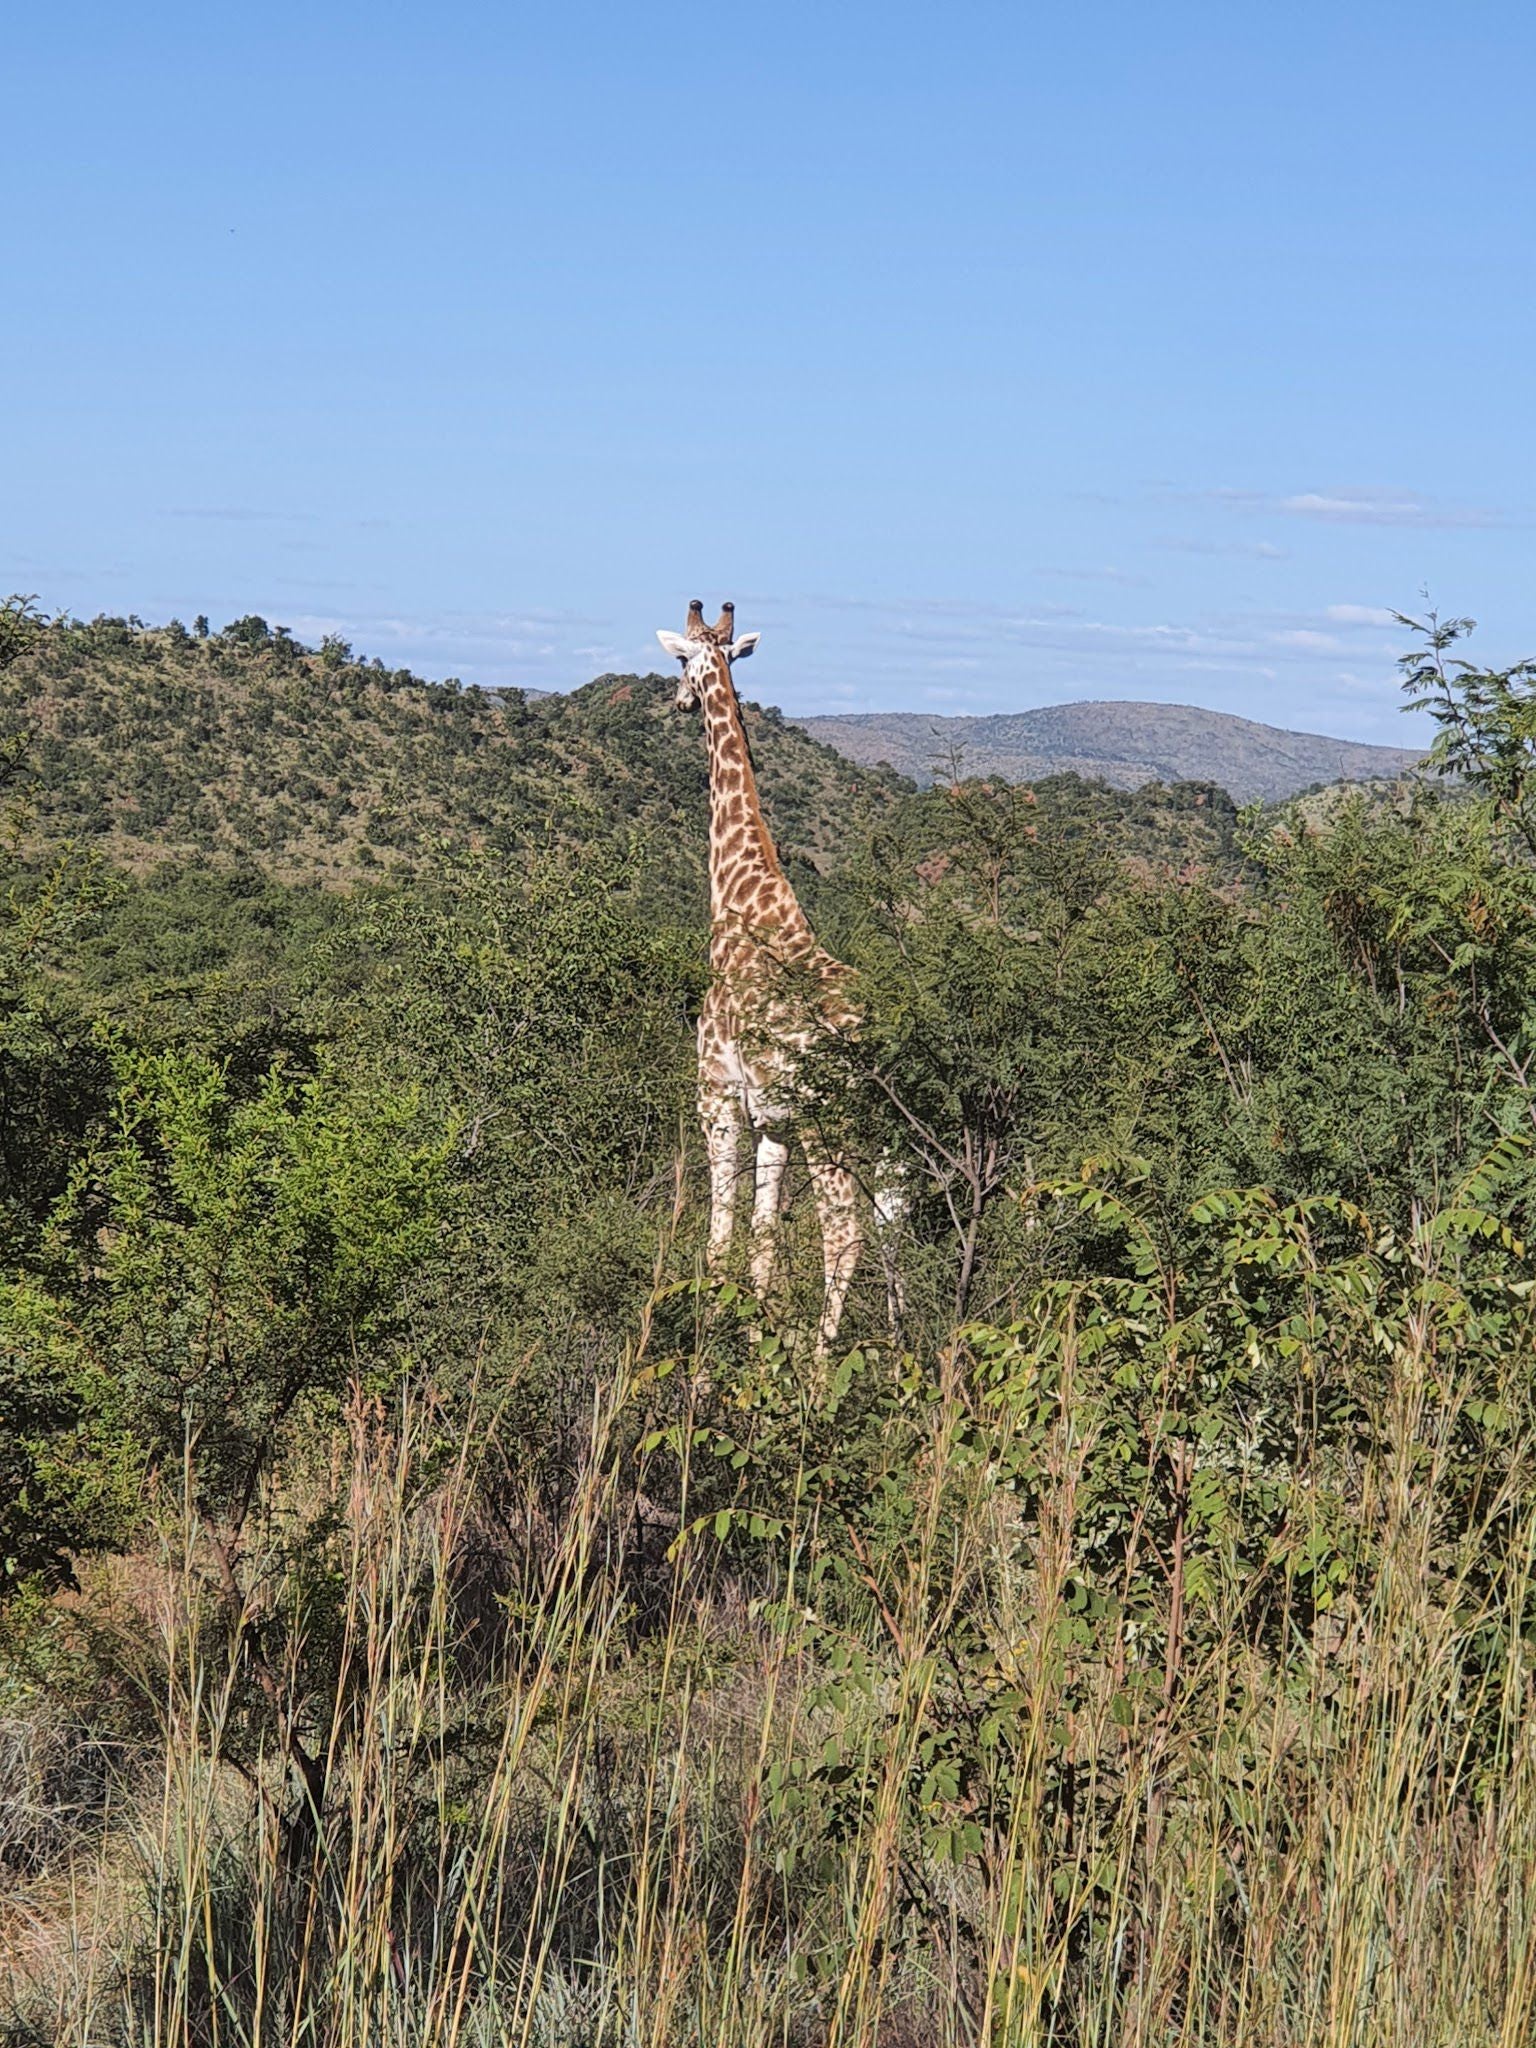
247	746
432	1612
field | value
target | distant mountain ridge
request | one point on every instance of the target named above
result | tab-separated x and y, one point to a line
1125	744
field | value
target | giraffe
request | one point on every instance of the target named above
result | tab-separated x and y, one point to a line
773	990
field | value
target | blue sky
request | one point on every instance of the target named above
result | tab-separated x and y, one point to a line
987	355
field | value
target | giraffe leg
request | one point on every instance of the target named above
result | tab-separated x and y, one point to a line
842	1240
772	1158
892	1199
720	1114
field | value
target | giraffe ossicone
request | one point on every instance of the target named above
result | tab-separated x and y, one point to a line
773	992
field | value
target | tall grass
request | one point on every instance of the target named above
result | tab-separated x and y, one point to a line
596	1771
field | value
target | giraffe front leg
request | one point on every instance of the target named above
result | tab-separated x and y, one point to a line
772	1158
720	1114
842	1240
892	1200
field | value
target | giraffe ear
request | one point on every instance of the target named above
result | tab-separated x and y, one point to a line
675	644
740	649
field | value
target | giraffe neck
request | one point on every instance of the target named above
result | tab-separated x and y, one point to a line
748	888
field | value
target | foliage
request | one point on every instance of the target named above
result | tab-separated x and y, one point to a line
149	743
1351	1021
234	1253
20	622
544	1012
219	1258
1486	718
488	1628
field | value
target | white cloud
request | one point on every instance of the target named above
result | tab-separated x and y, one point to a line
1310	642
1349	505
545	650
1385	508
1359	615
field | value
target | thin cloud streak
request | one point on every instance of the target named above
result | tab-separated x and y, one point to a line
1356	506
1105	575
546	650
1387	508
1255	550
1360	615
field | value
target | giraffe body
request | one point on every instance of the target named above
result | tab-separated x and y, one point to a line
773	992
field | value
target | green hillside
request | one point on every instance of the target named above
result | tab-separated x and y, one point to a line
149	742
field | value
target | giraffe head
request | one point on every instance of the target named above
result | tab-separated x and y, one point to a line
705	651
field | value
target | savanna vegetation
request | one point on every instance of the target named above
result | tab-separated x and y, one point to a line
432	1612
245	746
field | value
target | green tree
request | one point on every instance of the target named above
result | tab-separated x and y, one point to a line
546	1013
225	1261
236	1250
1486	718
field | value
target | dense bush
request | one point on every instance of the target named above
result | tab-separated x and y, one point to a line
431	1612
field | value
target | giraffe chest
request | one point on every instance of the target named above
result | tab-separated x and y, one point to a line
757	1020
741	1055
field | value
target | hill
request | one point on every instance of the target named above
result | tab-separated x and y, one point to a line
1125	744
150	742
